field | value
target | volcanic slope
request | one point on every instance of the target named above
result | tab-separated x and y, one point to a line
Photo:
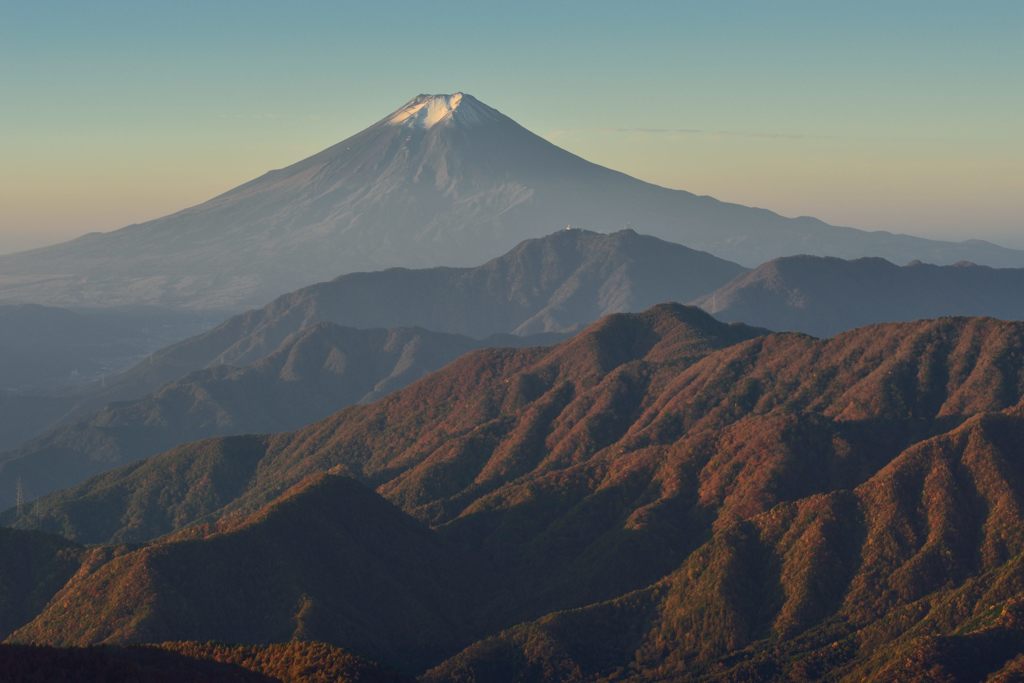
452	187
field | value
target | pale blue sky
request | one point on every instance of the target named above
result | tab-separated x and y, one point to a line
898	115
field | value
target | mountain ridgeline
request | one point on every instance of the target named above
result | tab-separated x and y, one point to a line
823	296
314	372
225	381
599	456
220	383
554	284
662	496
443	180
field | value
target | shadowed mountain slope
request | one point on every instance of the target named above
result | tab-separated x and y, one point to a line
554	284
33	566
347	567
669	382
315	372
824	296
661	496
452	190
443	411
173	662
557	283
40	664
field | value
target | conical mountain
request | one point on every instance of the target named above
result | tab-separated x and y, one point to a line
443	180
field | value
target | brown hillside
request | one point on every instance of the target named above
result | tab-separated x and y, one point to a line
327	561
661	494
919	569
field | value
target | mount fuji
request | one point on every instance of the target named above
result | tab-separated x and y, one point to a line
443	180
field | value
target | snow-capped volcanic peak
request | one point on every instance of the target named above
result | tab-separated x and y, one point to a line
427	111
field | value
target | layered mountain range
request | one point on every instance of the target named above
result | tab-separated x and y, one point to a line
288	364
823	296
224	381
415	462
663	496
443	180
555	284
314	372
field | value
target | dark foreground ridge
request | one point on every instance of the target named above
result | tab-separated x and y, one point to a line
195	662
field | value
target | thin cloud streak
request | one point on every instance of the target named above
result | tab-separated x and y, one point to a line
726	133
694	131
561	132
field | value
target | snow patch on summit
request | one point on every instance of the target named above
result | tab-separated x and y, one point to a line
427	111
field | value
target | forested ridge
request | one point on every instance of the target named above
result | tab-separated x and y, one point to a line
661	497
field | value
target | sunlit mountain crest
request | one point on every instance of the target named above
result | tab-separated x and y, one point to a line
427	111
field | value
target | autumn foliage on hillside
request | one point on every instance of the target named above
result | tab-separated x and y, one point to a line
661	497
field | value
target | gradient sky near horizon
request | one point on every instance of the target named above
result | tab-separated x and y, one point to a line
899	115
